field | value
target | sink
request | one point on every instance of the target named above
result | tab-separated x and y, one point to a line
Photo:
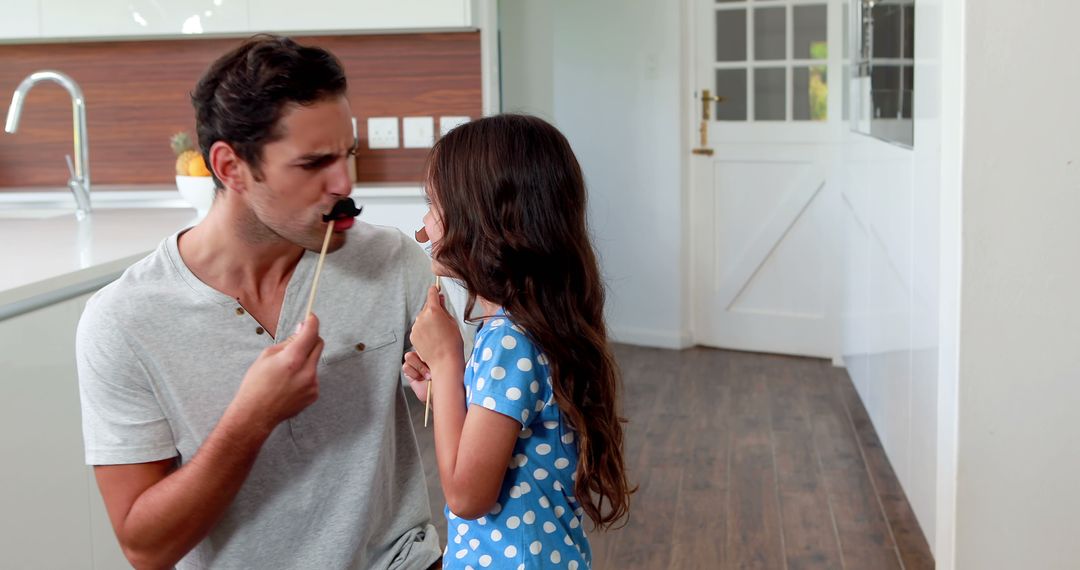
34	213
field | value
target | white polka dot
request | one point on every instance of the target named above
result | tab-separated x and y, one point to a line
513	394
534	387
566	539
452	515
555	557
462	528
524	364
544	502
485	561
480	383
559	511
489	403
518	329
572	565
542	359
513	522
524	416
498	373
536	547
529	517
461	553
543	449
509	342
540	474
551	424
482	520
574	523
486	355
497	323
474	543
525	433
496	535
468	567
515	492
558	486
568	438
521	566
562	463
468	393
549	527
457	539
496	509
521	460
525	488
510	551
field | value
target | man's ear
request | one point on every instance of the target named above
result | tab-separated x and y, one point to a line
228	167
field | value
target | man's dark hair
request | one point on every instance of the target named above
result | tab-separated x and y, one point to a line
243	94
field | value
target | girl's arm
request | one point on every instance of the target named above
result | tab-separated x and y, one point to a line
473	448
472	445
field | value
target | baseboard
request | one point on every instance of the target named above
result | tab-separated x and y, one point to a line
650	337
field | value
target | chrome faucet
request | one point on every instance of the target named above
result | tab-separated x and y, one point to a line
79	182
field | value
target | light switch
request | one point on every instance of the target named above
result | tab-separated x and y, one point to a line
419	131
449	122
382	132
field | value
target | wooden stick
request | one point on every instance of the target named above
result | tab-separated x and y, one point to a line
427	400
318	269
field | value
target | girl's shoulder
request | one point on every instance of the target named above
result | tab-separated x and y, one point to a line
500	332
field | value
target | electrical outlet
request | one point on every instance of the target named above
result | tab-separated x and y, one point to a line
449	122
419	131
382	132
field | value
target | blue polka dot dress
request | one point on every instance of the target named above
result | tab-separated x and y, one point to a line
537	521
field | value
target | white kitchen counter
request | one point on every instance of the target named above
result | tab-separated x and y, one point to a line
49	259
48	256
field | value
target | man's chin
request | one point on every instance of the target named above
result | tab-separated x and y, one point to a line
337	241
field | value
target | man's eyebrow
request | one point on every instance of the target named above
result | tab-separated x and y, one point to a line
315	156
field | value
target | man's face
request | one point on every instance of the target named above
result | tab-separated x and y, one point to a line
305	172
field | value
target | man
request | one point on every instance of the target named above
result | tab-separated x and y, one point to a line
218	440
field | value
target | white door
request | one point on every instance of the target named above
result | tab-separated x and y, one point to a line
760	217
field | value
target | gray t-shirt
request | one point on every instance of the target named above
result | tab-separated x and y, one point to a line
161	354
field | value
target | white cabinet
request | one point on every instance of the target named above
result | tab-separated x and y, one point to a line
20	19
106	19
51	513
117	18
324	15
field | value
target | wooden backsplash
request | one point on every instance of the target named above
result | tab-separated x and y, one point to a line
137	95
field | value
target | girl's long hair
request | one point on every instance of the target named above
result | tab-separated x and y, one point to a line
512	199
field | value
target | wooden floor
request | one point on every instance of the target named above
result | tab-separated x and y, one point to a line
747	461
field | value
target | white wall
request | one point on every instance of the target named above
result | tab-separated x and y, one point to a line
525	37
900	277
615	92
1019	390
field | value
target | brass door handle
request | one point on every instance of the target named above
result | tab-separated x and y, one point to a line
707	99
706	103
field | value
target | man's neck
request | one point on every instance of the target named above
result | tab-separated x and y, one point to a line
231	252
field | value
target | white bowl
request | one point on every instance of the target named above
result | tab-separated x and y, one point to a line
198	191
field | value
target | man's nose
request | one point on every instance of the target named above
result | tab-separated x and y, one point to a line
340	184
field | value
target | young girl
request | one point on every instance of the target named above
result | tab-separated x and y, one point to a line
527	432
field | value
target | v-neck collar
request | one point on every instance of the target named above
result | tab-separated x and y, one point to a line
300	276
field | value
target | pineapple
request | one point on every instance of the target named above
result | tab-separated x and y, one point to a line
186	156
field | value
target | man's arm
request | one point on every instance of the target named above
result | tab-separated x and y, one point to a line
159	514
